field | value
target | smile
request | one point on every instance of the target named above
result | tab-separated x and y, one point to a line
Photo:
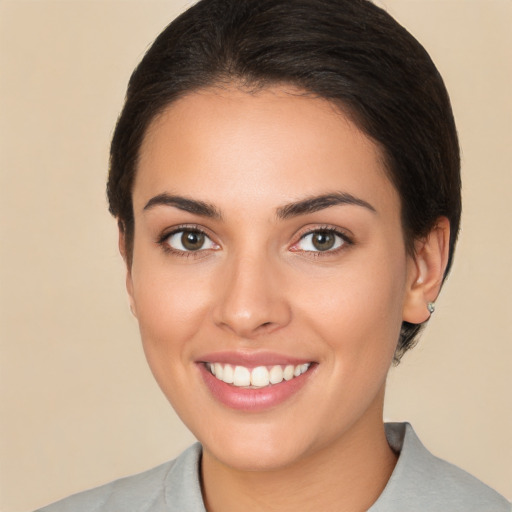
255	378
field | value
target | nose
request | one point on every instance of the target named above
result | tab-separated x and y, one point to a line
251	299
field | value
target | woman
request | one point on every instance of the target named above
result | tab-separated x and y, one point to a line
285	176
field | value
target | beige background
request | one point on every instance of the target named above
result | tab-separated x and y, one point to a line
78	404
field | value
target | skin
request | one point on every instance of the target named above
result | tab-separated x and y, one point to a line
258	286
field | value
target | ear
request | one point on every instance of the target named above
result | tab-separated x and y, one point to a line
127	261
426	272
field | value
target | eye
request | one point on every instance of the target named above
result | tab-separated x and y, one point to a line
320	241
189	240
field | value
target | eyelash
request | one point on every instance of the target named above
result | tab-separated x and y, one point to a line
164	237
346	241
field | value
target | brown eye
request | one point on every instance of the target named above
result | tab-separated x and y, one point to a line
321	241
190	240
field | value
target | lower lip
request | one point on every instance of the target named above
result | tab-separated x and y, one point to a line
253	400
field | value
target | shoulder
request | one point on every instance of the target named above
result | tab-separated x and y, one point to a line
165	487
137	492
425	483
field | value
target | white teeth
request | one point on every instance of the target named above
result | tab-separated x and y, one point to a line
258	377
276	375
228	375
242	376
288	372
218	370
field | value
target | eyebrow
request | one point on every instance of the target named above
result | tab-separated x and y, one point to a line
303	207
317	203
185	204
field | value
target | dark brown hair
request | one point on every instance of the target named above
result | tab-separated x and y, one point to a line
347	51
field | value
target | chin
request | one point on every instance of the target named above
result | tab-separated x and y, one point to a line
257	447
252	456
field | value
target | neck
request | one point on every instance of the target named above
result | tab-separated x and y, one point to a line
348	474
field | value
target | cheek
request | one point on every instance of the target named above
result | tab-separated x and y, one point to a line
359	311
170	305
170	312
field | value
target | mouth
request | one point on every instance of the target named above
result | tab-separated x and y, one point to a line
255	383
258	377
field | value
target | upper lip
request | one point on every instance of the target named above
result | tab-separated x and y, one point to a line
251	359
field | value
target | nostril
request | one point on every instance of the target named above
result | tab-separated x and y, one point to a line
266	326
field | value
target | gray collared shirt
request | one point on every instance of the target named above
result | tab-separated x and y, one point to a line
420	482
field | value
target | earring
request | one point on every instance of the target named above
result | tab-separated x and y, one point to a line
431	306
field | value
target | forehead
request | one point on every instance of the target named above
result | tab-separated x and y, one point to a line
275	145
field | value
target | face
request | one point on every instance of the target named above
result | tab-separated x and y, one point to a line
268	250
